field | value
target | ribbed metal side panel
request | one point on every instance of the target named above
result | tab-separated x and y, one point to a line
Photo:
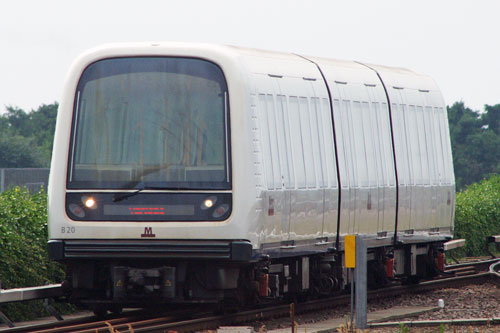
147	249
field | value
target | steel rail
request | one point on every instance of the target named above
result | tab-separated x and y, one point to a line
96	324
147	322
481	264
283	310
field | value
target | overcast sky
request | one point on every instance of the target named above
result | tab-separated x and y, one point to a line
456	42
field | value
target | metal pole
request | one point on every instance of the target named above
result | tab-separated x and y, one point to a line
361	277
351	271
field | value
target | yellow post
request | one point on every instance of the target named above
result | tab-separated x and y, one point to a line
350	262
350	251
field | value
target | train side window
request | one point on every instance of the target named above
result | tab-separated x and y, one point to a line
429	130
296	139
378	141
422	144
359	144
341	137
273	138
326	122
387	144
446	139
318	141
408	149
446	152
400	145
348	137
414	144
368	126
439	146
307	142
282	125
265	141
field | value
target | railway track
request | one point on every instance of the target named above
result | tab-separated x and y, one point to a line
182	321
113	323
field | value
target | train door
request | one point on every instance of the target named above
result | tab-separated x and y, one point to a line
268	124
345	151
386	178
306	199
432	192
283	134
417	139
400	124
446	188
327	168
364	162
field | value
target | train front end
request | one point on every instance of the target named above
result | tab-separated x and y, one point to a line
141	191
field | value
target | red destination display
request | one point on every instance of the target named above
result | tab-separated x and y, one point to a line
146	210
149	210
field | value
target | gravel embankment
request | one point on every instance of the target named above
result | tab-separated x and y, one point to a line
472	301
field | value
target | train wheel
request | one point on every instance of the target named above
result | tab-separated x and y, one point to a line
116	309
100	311
413	279
377	277
227	306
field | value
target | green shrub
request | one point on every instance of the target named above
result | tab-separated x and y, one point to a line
477	215
24	260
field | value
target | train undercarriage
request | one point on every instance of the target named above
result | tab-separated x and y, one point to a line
102	284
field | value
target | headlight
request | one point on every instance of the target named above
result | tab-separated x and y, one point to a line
208	202
89	202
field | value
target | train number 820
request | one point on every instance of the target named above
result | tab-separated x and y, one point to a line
67	230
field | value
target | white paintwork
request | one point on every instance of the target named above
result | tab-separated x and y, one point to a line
283	151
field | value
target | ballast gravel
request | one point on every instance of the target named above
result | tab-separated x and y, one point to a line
467	302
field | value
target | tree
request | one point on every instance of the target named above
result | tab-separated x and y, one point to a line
26	138
475	140
491	117
19	152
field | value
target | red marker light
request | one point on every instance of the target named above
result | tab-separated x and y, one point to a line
76	210
221	210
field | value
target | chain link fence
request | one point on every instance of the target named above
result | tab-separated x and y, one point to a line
32	178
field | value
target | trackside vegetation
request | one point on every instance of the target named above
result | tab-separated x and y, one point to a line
477	215
24	260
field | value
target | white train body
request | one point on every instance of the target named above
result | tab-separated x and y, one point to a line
315	149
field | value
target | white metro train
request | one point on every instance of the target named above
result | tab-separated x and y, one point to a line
202	173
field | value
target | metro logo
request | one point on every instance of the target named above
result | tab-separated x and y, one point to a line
148	232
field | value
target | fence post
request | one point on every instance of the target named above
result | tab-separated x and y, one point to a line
2	180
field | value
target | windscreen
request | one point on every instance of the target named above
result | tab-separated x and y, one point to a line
150	121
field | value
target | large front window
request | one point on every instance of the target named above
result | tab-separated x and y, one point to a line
150	122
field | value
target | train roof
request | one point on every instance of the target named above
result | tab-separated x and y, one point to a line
275	63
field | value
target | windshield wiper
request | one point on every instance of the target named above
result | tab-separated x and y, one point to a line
127	195
144	187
